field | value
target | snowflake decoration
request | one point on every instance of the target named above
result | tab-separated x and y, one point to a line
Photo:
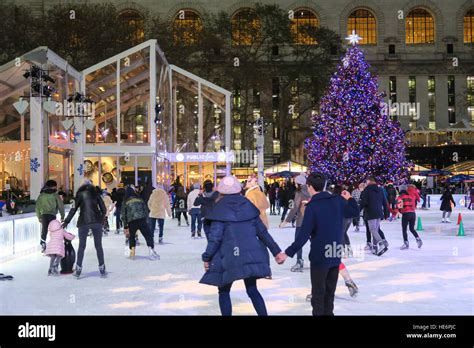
34	164
81	169
75	137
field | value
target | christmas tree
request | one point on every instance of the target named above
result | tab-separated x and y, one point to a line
354	136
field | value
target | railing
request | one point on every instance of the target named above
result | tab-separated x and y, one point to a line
21	234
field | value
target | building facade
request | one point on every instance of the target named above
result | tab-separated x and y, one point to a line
421	50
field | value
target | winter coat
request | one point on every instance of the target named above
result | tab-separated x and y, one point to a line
192	200
180	204
238	242
206	201
108	204
272	194
298	206
412	190
118	197
284	197
406	202
259	199
147	191
323	223
91	206
374	203
56	239
391	193
446	200
50	203
159	204
133	208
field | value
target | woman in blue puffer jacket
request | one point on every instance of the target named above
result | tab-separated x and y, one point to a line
237	246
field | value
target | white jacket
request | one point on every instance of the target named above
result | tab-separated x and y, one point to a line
191	198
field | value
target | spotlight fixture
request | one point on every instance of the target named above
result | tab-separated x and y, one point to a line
21	106
78	97
158	111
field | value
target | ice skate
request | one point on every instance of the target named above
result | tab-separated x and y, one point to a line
43	246
103	272
153	255
179	223
132	253
193	234
405	246
443	220
353	289
368	247
385	243
77	272
199	234
448	220
298	267
380	248
160	240
419	242
187	223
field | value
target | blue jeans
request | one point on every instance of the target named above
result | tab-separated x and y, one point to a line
161	224
225	303
196	219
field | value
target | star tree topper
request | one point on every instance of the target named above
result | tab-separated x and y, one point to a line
353	38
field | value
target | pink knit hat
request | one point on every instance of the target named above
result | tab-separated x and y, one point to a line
229	185
55	225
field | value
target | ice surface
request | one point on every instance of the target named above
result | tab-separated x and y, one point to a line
434	280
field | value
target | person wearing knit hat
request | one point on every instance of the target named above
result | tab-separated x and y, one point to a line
257	197
237	246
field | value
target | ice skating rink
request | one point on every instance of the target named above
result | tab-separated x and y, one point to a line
435	280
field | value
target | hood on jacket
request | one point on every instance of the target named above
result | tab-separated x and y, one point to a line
89	188
233	208
49	190
372	187
324	195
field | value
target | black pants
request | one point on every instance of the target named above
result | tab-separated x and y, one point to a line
323	288
408	219
272	207
178	216
96	230
144	228
225	303
45	220
367	232
118	222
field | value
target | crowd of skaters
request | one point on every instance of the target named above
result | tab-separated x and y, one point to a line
233	217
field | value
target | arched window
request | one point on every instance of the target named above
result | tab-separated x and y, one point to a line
419	28
246	28
469	26
136	22
304	21
364	24
187	27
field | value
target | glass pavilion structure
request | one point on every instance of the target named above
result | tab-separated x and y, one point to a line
146	121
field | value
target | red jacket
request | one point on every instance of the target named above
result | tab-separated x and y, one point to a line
412	190
408	202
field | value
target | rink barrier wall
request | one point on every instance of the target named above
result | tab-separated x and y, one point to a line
462	201
20	235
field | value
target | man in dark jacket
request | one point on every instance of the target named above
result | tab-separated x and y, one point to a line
375	206
92	212
323	223
47	206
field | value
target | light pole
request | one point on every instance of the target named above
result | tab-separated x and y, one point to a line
259	133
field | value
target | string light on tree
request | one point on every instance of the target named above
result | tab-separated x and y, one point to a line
352	135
